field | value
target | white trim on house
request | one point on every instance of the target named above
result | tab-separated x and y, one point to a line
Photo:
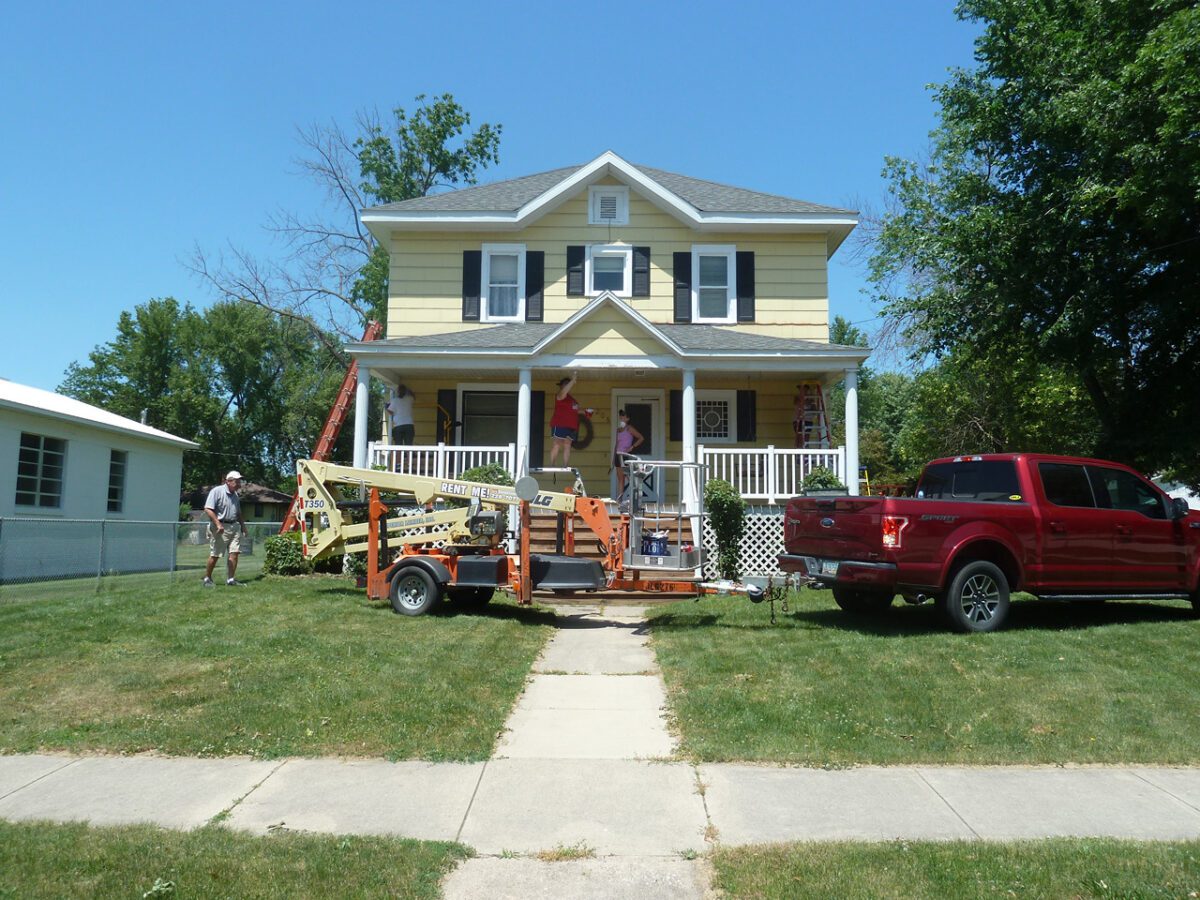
596	195
729	251
625	251
730	399
23	398
490	250
380	222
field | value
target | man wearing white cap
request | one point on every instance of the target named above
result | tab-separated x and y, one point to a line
224	510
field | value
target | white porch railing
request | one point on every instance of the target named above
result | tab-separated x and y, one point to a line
439	460
769	473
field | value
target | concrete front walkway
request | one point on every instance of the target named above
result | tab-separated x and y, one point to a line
586	761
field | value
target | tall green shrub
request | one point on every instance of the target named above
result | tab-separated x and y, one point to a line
727	513
284	557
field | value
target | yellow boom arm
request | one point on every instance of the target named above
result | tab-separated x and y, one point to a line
323	490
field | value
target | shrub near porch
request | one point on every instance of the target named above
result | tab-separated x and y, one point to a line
1067	683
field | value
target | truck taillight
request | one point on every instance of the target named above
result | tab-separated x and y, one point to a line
893	527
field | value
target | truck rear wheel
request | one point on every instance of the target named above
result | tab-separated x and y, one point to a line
414	592
853	601
977	599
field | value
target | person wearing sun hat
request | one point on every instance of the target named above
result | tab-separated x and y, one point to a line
224	510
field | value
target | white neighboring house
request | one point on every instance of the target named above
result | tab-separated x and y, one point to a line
67	459
62	460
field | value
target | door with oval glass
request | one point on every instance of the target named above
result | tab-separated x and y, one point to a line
645	411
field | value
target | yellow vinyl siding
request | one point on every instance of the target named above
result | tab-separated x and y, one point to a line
425	275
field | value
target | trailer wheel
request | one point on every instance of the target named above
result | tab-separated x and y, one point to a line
414	592
862	601
977	599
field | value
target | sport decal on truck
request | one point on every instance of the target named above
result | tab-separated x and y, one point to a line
929	517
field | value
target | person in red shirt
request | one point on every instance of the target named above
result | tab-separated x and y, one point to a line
564	424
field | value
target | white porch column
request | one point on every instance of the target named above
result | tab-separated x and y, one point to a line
852	431
690	500
524	400
362	415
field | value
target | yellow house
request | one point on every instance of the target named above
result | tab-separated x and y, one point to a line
701	309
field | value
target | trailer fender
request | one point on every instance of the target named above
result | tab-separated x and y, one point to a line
436	570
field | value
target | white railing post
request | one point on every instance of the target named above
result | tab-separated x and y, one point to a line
772	474
439	461
513	463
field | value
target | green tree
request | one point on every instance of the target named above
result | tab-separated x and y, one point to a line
1055	226
332	274
250	388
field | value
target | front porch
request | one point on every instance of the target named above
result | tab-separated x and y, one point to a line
731	399
761	474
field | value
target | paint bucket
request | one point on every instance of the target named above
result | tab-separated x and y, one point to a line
654	543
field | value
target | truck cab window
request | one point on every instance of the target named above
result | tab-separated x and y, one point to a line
973	480
1066	484
1117	489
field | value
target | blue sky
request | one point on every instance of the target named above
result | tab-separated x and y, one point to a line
133	132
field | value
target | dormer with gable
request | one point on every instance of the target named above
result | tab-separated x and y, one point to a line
701	308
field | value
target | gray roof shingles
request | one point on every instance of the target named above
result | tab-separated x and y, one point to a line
706	196
524	336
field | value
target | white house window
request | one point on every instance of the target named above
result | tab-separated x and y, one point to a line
714	293
503	279
610	268
40	467
608	205
716	417
118	462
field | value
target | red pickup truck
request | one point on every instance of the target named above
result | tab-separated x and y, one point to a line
980	527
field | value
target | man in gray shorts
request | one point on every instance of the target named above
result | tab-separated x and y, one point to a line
224	510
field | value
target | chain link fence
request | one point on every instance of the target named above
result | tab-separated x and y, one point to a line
43	557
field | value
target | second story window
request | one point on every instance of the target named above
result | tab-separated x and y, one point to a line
714	292
609	269
503	278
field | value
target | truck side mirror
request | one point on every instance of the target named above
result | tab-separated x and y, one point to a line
1179	508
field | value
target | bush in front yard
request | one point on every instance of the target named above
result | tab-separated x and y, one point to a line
284	556
820	478
727	513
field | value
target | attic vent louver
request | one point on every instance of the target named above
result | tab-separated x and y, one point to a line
608	205
608	208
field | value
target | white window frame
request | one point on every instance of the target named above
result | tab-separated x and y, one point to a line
620	191
595	250
490	250
123	480
483	388
729	251
40	475
730	397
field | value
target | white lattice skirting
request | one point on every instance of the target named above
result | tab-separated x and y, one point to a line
762	542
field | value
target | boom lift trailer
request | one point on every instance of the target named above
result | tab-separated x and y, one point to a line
342	510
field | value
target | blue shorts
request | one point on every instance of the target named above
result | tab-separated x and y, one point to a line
558	431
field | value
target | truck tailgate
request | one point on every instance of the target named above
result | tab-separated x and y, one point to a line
834	527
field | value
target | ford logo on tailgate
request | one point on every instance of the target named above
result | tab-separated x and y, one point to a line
827	522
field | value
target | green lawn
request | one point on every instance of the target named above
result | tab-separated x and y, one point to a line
53	861
1056	868
282	667
1086	683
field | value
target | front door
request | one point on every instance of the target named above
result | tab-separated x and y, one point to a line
645	414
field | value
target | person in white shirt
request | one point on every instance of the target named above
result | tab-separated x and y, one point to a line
400	408
224	510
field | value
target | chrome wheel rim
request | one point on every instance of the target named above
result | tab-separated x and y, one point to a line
980	598
410	592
